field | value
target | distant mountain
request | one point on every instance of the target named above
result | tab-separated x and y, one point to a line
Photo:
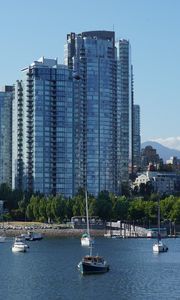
164	152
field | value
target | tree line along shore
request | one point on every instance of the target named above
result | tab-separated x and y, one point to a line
140	209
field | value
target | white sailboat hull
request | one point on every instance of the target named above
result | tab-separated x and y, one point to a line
159	247
86	241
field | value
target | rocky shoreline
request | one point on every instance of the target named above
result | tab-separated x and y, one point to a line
53	232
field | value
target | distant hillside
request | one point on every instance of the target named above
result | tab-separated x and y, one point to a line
164	152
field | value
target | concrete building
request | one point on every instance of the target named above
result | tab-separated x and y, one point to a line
174	162
162	182
150	156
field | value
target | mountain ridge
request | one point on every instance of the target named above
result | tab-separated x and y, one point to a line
164	152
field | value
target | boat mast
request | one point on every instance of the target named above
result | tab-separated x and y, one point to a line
159	231
87	214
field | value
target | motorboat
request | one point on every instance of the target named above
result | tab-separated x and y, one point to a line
32	236
19	245
159	246
91	264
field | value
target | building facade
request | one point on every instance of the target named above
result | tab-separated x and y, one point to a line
73	123
6	97
124	109
149	156
136	144
92	57
43	129
161	182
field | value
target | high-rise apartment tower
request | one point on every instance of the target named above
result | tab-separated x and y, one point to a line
136	162
42	136
6	98
103	109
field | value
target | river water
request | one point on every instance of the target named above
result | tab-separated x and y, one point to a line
49	271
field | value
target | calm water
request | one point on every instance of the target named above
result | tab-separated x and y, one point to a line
48	271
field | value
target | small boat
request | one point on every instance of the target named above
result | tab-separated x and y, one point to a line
159	246
91	264
86	239
19	245
2	239
32	236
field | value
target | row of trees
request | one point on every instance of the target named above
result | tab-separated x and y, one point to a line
36	207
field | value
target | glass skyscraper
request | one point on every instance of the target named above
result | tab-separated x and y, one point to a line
43	123
124	109
73	123
103	109
136	138
6	97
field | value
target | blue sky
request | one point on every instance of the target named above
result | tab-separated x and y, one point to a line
31	29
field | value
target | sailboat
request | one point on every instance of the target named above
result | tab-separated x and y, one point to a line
93	264
159	246
86	239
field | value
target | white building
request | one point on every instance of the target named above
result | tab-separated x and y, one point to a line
161	182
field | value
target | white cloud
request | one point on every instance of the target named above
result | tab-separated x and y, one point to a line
170	142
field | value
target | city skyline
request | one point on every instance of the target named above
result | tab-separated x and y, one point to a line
39	29
73	123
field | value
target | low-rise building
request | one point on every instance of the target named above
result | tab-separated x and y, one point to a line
174	162
162	182
149	156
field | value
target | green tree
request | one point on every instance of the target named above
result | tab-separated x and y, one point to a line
104	206
120	208
33	208
79	205
58	208
49	212
136	210
175	211
42	210
166	206
29	212
92	206
150	209
69	209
